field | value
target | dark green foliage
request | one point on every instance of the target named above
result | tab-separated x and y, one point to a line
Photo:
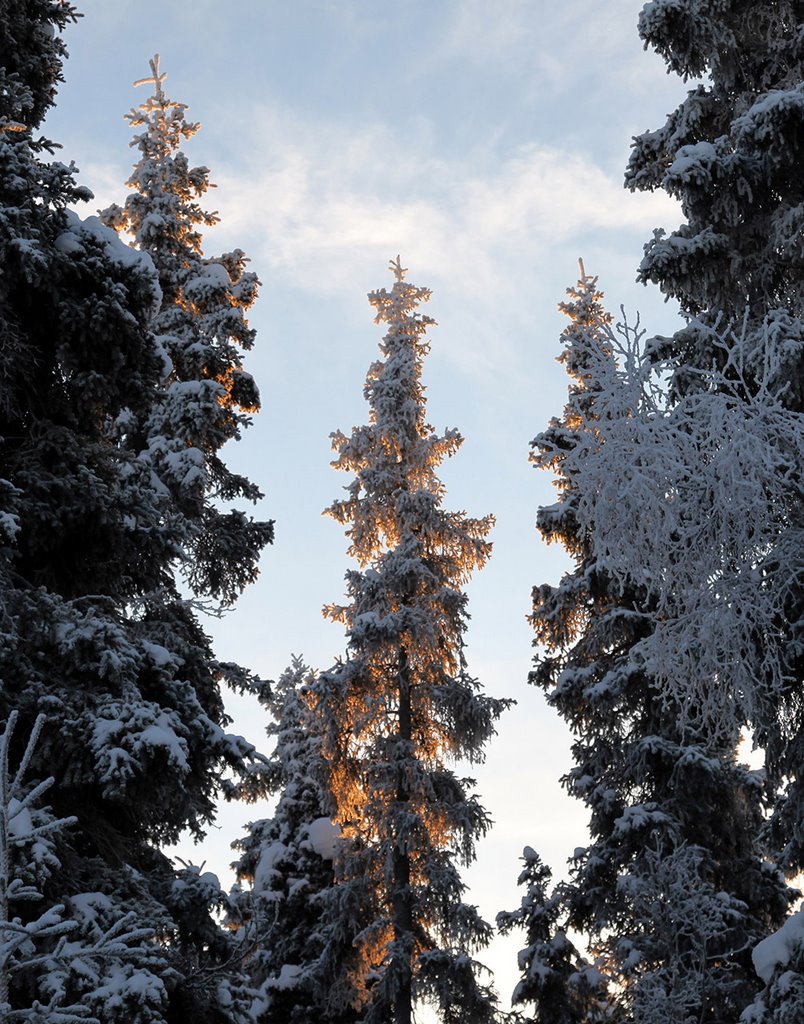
301	924
94	630
673	889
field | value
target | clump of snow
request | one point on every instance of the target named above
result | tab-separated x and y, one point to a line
780	947
323	835
20	822
159	655
265	866
91	908
124	983
161	734
68	242
694	163
71	241
288	977
209	276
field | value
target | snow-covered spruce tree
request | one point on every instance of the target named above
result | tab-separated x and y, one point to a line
674	818
301	925
563	985
202	327
401	706
732	154
95	633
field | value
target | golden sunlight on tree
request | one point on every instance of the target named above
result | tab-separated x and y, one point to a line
401	706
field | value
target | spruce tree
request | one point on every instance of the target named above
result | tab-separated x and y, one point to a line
562	984
202	330
731	153
96	633
673	889
401	705
300	924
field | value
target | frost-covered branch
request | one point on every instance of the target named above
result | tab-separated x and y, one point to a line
659	646
694	501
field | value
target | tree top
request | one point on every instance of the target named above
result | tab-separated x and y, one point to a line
398	270
156	78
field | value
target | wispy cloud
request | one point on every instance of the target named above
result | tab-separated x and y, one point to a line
324	211
326	206
321	209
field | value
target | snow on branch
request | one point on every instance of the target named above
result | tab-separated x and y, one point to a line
46	946
693	501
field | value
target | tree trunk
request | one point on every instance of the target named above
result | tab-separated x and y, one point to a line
402	903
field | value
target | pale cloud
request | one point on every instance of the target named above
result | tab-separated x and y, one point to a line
324	211
105	179
508	38
322	206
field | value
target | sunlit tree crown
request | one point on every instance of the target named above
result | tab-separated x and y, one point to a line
402	706
163	211
201	326
395	457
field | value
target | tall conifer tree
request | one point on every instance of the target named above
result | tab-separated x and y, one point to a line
402	705
96	635
673	889
202	328
731	153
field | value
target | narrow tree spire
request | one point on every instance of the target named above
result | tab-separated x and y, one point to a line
402	707
208	395
155	79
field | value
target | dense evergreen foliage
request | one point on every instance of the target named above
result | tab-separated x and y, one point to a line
731	153
300	923
401	705
675	638
96	634
674	889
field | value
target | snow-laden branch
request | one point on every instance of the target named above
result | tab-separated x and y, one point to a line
50	943
694	502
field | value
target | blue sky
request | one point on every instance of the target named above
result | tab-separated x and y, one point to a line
484	143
